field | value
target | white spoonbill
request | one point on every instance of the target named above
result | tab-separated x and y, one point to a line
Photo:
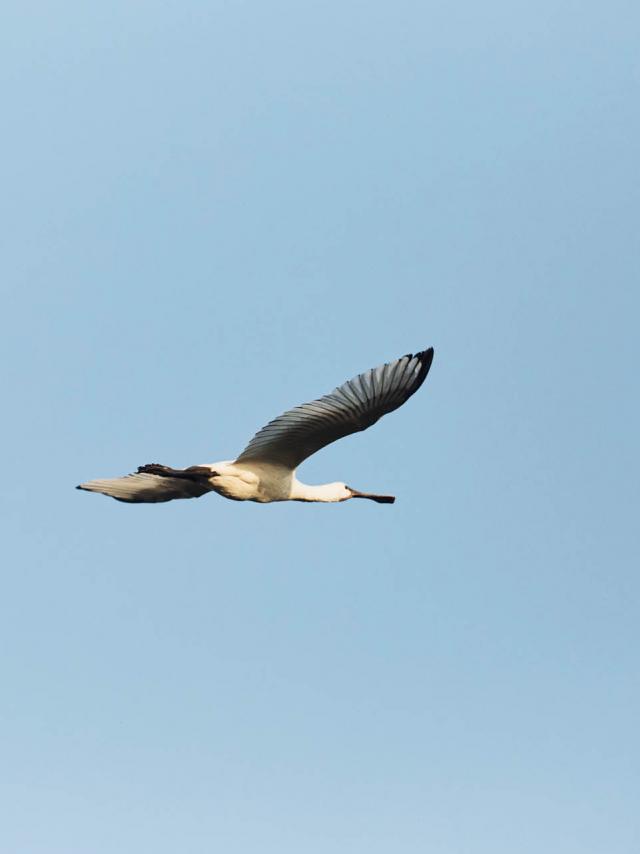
266	469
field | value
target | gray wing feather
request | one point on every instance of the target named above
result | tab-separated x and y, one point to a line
353	406
143	488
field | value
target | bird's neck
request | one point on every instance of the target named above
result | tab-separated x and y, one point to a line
322	492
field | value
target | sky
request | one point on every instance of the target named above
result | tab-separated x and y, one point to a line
214	211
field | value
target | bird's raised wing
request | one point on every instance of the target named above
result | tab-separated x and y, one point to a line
356	405
146	488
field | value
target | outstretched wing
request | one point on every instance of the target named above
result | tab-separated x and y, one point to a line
356	405
143	487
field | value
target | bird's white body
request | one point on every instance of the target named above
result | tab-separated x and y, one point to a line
264	482
257	482
266	470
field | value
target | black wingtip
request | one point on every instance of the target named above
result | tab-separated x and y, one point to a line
426	358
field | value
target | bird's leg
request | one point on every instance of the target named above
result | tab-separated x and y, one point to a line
156	468
191	473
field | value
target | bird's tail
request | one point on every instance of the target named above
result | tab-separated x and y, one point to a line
152	484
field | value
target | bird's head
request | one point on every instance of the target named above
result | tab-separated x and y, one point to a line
336	491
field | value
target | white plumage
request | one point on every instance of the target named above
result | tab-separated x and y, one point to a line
265	470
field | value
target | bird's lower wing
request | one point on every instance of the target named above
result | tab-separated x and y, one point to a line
356	405
145	488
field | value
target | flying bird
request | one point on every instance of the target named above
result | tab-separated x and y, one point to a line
266	470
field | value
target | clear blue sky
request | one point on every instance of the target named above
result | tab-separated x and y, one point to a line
213	211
